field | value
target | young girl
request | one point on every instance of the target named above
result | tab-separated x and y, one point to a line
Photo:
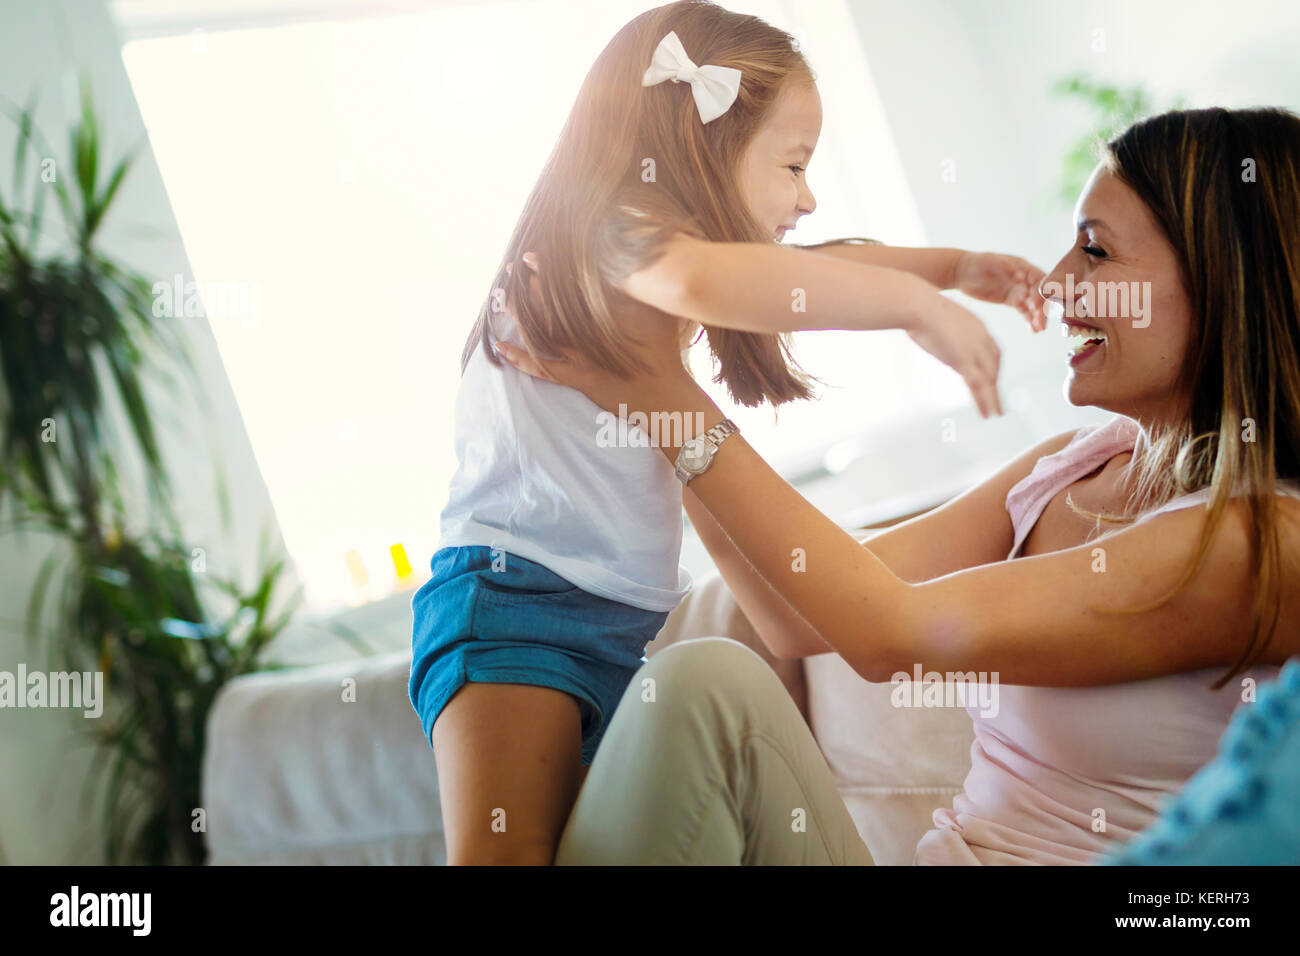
676	175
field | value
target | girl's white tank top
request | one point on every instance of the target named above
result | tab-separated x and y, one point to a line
538	477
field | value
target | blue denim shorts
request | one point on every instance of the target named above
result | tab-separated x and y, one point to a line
522	624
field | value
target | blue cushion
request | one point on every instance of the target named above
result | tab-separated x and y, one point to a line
1241	808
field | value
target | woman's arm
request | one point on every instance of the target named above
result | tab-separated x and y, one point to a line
786	634
971	529
1039	621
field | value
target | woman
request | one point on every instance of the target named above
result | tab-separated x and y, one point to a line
1121	652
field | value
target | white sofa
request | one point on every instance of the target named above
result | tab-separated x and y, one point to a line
328	765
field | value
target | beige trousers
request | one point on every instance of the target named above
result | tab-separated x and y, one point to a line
708	761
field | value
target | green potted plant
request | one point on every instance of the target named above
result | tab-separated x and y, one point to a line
140	607
1114	109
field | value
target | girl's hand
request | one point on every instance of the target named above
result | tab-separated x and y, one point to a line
958	339
1006	280
660	345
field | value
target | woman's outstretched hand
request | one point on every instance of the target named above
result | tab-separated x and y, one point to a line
659	347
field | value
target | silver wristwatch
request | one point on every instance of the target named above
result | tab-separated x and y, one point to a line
696	454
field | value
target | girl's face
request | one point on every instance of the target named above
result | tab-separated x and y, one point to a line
1126	313
772	172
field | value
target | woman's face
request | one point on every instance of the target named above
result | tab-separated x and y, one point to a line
1126	313
772	172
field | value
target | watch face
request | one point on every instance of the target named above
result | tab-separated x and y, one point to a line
695	453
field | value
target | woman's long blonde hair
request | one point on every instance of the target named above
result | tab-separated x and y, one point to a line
1224	185
632	166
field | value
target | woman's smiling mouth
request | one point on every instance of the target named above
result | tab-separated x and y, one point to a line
1084	340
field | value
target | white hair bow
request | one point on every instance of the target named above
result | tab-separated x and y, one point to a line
714	87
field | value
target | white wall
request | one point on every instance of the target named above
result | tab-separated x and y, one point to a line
970	81
43	761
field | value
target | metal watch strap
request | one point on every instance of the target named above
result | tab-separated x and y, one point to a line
714	437
720	431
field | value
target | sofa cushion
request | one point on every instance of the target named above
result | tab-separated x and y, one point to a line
320	765
893	765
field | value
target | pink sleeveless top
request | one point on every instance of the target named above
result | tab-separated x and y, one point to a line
1056	763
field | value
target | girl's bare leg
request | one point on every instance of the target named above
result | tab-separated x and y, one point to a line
509	768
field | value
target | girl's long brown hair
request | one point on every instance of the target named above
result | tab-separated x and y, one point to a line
632	166
1224	185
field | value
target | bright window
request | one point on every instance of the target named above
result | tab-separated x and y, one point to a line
363	175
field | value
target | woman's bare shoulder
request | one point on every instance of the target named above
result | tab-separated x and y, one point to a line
971	529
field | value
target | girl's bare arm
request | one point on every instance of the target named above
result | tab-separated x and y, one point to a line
755	287
937	266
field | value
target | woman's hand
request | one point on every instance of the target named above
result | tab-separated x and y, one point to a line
958	339
660	344
1005	280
